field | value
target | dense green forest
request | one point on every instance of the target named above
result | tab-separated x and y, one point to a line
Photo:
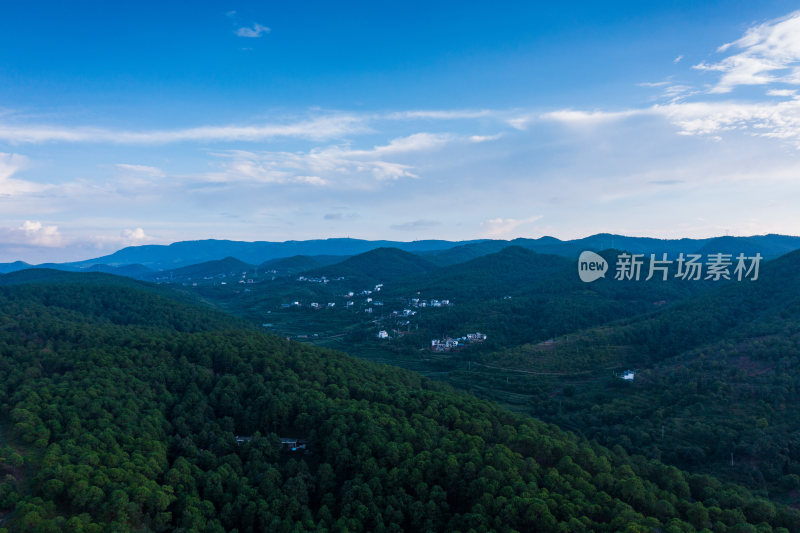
120	411
717	377
715	362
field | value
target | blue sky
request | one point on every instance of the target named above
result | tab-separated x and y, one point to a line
127	123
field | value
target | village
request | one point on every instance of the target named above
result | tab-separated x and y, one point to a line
368	303
393	323
449	344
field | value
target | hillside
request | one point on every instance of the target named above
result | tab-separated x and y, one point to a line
379	265
738	339
515	296
513	269
132	271
222	268
105	298
5	268
464	252
518	296
714	378
286	266
131	423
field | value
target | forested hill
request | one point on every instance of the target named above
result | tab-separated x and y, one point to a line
299	263
106	298
228	266
730	312
120	411
381	264
716	376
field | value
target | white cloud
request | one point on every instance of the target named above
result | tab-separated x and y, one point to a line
485	138
256	31
769	53
450	114
338	165
134	236
142	170
318	128
678	59
503	228
653	83
587	118
778	120
412	143
40	235
670	90
311	180
10	164
782	92
521	122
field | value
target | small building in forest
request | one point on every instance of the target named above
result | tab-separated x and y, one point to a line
293	445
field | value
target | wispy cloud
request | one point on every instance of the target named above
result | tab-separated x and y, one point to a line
588	118
503	228
782	92
665	182
411	143
678	59
10	164
440	114
416	225
340	216
338	165
768	53
144	170
256	31
778	120
651	84
317	128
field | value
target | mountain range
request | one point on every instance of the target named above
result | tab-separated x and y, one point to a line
138	260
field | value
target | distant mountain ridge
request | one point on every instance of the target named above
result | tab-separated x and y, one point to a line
438	252
190	252
770	246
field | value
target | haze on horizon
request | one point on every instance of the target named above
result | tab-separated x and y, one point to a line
149	124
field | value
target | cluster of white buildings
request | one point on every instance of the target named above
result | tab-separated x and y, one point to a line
321	279
445	345
416	302
312	305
